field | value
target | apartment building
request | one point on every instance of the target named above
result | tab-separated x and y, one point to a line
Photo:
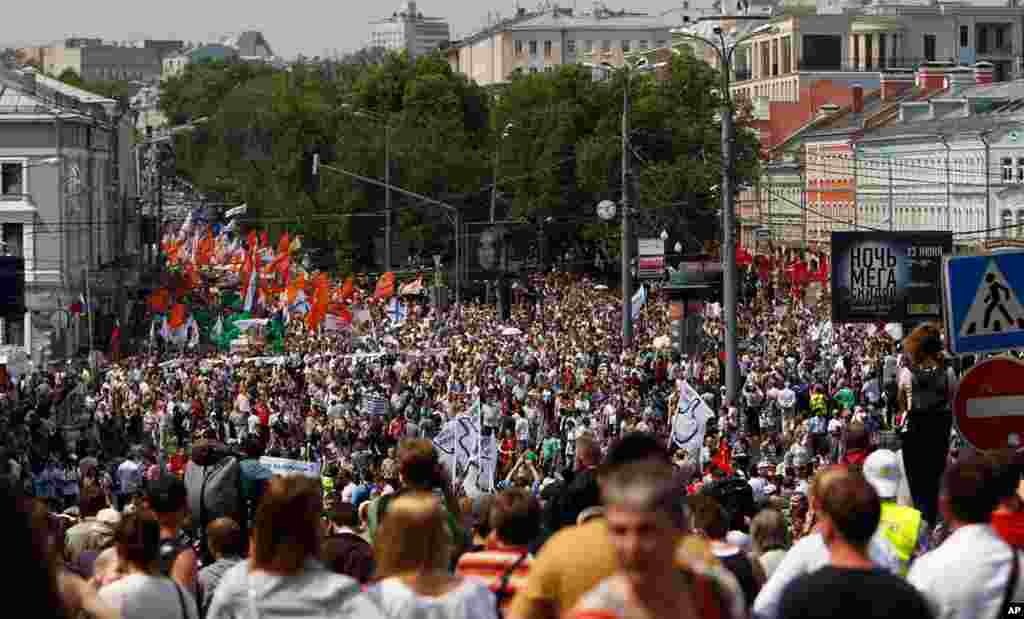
532	42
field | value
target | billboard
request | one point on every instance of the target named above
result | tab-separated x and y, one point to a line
888	276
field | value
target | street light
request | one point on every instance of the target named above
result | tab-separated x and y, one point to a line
497	154
606	208
725	53
381	119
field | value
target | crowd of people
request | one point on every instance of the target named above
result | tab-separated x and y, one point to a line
148	487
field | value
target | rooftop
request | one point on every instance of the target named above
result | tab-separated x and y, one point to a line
51	96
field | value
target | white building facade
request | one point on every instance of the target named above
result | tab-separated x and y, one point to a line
967	177
409	30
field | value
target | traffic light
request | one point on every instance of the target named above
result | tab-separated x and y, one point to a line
311	171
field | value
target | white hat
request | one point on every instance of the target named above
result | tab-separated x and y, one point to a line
882	470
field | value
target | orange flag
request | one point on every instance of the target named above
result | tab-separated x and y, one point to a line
385	287
321	297
177	317
204	251
346	289
297	284
159	301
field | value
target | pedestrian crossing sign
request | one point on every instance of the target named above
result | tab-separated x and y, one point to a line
983	311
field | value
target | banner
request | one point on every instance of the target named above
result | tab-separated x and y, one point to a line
458	444
284	466
888	276
690	423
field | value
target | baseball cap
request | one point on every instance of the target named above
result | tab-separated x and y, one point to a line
882	470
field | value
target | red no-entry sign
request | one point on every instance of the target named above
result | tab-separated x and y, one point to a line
989	405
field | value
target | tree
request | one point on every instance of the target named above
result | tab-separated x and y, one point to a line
675	140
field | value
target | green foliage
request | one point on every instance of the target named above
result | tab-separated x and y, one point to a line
111	89
560	155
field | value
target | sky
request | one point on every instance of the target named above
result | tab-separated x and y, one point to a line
309	27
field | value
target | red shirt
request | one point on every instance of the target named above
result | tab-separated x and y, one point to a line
263	414
1010	527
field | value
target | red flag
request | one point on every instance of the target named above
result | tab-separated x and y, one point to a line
743	257
347	289
264	239
115	342
723	458
385	287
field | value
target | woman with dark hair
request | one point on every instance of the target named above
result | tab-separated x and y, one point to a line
143	592
926	390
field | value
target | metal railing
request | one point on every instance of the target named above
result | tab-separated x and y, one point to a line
854	65
15	197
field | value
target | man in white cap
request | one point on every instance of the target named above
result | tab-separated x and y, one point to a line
902	529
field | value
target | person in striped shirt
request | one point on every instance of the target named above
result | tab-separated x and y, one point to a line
505	560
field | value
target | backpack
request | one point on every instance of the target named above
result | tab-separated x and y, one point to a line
213	479
928	392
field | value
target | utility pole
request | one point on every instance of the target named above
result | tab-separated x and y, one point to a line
892	203
729	275
387	197
627	233
983	136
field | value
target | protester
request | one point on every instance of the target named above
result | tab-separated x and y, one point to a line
227	546
344	550
903	529
645	520
413	552
576	559
167	498
927	391
851	585
142	591
282	578
974	573
1008	517
504	562
768	538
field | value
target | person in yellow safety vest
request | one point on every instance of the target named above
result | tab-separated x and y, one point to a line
902	531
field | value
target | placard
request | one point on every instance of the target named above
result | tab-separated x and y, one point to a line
284	466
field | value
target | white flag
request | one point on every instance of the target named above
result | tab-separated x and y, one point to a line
639	300
690	422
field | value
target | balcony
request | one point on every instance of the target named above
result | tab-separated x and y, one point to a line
862	66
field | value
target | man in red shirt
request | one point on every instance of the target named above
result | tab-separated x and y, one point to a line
1008	517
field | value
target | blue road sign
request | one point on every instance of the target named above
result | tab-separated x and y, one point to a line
983	302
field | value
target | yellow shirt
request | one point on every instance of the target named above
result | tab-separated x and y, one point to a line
573	562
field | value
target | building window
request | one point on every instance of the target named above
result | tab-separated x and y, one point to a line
533	69
660	43
1007	163
606	46
1020	169
1019	230
533	48
570	46
12	179
547	49
14	330
964	36
13	240
643	45
625	47
519	47
549	69
1006	222
929	47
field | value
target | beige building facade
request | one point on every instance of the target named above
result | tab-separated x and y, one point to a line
542	40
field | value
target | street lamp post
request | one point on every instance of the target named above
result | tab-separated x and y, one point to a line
379	118
729	276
